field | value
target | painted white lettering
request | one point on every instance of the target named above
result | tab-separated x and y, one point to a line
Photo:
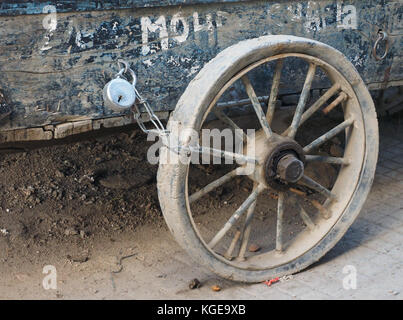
148	26
176	21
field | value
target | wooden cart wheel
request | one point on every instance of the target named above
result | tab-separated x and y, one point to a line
313	164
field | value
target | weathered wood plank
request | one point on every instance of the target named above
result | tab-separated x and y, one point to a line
54	77
66	129
20	7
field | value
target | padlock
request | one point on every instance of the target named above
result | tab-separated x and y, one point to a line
119	94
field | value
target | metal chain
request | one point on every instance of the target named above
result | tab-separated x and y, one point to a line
160	129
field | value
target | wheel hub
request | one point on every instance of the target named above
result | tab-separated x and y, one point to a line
290	168
281	161
284	163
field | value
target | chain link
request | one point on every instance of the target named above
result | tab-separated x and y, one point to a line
160	129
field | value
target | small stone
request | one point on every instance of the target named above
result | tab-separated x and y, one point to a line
79	258
194	284
98	160
22	277
70	232
59	174
28	191
254	248
216	288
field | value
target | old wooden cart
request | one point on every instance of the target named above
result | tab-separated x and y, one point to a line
303	67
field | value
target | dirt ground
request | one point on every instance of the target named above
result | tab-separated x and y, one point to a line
71	203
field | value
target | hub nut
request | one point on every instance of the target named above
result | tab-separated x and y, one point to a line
290	168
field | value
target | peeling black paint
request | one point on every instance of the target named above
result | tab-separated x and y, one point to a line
21	7
85	46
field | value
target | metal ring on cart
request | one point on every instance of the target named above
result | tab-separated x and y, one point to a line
382	36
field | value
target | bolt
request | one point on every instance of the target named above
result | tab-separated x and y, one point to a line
290	168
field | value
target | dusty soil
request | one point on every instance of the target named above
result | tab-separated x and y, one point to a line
63	203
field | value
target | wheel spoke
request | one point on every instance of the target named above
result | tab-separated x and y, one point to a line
274	91
215	184
325	159
228	254
240	103
312	109
298	192
246	231
240	158
329	135
235	217
317	187
323	211
302	212
257	106
280	218
228	121
306	218
342	97
302	101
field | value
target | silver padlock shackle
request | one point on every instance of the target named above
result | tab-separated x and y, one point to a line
126	69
